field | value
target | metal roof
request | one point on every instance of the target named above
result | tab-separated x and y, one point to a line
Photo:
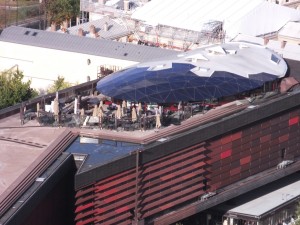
84	45
115	30
268	202
291	30
255	17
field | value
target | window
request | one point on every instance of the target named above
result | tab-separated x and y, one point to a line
205	184
283	151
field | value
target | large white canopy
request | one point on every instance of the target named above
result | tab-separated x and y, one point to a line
255	17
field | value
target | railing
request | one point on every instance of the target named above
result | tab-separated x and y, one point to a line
68	93
95	7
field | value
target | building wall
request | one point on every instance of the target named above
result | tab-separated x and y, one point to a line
253	149
42	66
183	177
57	207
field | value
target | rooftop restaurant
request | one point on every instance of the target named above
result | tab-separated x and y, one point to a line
157	94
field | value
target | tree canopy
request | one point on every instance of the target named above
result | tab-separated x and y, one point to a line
13	90
61	10
298	214
58	85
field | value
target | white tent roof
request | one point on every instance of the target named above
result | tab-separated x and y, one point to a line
255	17
240	58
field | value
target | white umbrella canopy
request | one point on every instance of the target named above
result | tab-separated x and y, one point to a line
82	112
95	110
124	107
55	107
100	112
133	115
158	123
139	108
118	112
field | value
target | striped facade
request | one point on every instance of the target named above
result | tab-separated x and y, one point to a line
181	178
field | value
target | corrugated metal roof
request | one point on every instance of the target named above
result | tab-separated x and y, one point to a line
268	202
115	30
90	46
255	17
291	30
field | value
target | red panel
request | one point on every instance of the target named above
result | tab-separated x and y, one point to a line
293	120
193	149
86	198
87	221
114	182
84	191
180	166
265	138
235	171
116	177
167	177
110	191
236	136
99	210
226	154
189	195
85	214
169	162
226	139
129	202
151	187
115	197
283	138
227	146
82	207
123	209
169	205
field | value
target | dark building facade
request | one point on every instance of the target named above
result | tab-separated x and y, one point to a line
155	184
170	177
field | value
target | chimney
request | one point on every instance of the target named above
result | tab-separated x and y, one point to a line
266	41
80	32
126	5
53	26
105	27
93	32
283	43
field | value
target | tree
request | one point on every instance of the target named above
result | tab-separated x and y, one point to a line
59	11
58	85
13	90
298	214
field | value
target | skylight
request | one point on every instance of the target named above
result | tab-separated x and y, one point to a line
275	59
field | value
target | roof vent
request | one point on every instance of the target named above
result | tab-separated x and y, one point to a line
157	67
217	50
231	52
105	27
201	69
242	46
196	57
